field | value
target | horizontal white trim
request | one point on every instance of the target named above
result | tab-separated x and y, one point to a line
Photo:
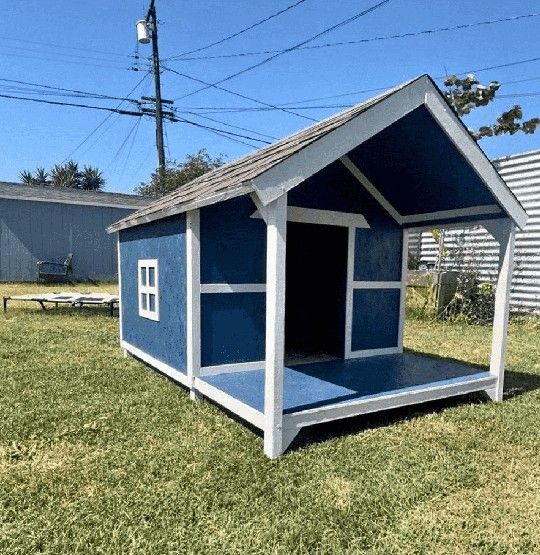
391	399
453	225
234	367
230	403
157	364
458	213
376	284
233	287
302	215
374	352
80	202
370	188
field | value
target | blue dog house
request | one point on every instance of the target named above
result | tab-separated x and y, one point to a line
275	285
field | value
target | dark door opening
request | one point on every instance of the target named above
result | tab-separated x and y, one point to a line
316	280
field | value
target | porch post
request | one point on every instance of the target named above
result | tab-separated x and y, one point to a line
504	233
193	313
276	221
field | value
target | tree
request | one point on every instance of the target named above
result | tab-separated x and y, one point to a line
464	95
66	175
91	179
177	174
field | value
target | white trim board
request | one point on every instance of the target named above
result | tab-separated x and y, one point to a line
374	352
232	367
376	284
233	287
349	294
403	292
176	375
457	213
301	215
193	303
249	414
391	399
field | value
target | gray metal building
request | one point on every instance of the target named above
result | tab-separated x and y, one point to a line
522	174
47	223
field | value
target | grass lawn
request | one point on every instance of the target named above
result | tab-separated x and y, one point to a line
98	454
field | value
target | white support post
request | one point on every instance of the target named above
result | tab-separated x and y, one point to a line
119	272
276	218
403	296
349	294
504	232
193	265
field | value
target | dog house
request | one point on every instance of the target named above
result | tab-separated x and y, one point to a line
275	285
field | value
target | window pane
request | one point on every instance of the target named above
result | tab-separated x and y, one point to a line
151	302
151	276
143	275
144	301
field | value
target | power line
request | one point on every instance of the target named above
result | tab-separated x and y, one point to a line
87	138
240	95
238	33
57	103
361	41
224	131
294	47
231	125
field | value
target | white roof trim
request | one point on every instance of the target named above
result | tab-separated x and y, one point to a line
70	201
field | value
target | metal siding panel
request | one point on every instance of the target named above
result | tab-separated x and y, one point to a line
521	174
165	240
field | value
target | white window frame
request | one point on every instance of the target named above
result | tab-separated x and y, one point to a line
147	289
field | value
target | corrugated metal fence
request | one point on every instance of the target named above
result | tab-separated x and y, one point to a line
476	247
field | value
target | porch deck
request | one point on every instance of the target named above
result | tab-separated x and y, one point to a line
325	388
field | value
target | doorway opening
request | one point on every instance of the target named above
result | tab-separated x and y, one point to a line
316	282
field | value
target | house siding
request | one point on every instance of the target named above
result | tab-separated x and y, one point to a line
31	231
164	240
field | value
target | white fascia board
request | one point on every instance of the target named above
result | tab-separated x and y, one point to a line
303	215
297	168
458	134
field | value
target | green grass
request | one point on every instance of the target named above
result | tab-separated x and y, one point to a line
98	454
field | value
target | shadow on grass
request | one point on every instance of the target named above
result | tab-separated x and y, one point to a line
62	311
516	383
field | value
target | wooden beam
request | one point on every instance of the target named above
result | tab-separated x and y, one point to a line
504	232
193	315
276	217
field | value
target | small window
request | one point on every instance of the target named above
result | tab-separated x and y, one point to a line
148	289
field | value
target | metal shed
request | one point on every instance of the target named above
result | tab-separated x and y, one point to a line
47	223
275	285
475	246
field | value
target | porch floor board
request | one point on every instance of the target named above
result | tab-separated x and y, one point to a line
318	384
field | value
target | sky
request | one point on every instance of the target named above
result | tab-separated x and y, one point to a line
90	46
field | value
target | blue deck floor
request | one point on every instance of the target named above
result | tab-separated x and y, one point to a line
323	383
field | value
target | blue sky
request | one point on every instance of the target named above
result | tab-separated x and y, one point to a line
88	46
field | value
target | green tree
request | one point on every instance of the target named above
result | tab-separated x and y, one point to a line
91	179
465	95
39	177
177	174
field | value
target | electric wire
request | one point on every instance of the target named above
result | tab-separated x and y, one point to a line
362	41
231	125
240	32
291	48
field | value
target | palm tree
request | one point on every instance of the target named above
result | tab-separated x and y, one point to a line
66	175
91	179
41	177
26	177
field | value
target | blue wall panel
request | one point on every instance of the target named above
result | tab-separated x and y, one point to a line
378	254
375	320
418	169
232	327
31	231
164	240
233	245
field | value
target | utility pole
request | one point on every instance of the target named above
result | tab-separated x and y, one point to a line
151	23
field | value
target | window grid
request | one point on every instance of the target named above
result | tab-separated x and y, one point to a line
148	289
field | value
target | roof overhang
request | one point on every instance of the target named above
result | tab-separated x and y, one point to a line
380	113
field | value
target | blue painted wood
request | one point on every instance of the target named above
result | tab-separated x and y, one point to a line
375	320
318	384
232	327
31	231
377	255
233	245
417	168
164	240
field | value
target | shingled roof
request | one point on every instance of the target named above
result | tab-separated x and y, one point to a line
233	179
